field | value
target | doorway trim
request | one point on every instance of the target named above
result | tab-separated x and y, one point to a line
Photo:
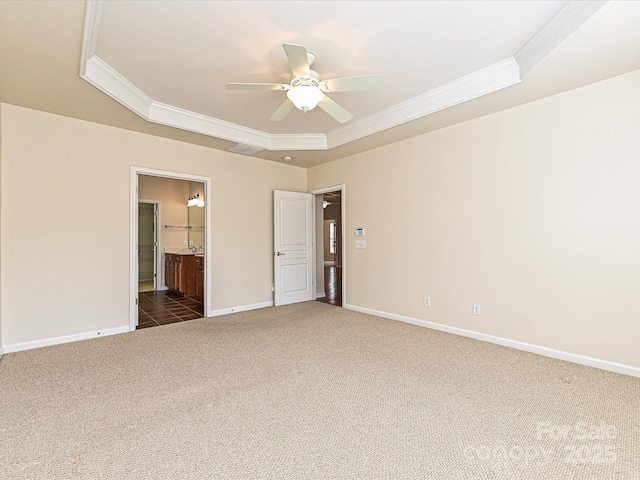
343	193
133	235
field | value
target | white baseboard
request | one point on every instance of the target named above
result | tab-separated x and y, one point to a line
505	342
321	295
47	342
242	308
17	347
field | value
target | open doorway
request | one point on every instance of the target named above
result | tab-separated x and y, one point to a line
170	248
170	284
329	265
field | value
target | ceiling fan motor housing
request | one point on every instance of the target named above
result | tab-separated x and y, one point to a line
312	81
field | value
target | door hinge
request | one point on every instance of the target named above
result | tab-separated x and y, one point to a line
136	301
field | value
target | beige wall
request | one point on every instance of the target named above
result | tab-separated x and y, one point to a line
533	213
172	195
65	267
1	344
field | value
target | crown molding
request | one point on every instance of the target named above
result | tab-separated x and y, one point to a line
482	82
104	77
101	75
92	17
567	22
304	141
571	19
195	122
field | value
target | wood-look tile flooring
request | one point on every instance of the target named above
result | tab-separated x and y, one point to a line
332	286
162	307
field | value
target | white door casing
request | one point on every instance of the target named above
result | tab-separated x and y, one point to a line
319	195
133	237
293	258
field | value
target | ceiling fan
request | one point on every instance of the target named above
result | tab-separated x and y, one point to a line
306	90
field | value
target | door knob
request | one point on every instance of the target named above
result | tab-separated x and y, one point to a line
279	253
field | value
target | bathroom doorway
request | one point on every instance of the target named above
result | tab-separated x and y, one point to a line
170	247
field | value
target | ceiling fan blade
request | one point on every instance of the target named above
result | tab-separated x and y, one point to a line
297	56
257	86
364	82
335	110
283	111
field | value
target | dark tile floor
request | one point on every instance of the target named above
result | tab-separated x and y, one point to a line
162	307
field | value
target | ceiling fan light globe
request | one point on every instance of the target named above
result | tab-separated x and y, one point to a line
305	97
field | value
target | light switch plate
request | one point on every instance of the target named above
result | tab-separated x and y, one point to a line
361	244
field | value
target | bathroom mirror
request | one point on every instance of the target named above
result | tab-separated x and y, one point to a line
196	216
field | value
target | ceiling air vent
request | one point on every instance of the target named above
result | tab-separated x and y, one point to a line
245	149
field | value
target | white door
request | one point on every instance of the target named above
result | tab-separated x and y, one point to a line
293	247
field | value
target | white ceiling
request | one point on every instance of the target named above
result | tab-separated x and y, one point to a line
183	53
440	62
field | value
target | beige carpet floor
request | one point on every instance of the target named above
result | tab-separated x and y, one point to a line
310	391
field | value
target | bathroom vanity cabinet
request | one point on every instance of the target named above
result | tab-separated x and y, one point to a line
199	279
180	273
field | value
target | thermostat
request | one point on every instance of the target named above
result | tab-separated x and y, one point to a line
360	232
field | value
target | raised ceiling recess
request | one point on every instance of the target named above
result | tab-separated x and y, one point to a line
170	62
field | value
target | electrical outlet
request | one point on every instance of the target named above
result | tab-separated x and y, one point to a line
186	244
476	309
427	301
